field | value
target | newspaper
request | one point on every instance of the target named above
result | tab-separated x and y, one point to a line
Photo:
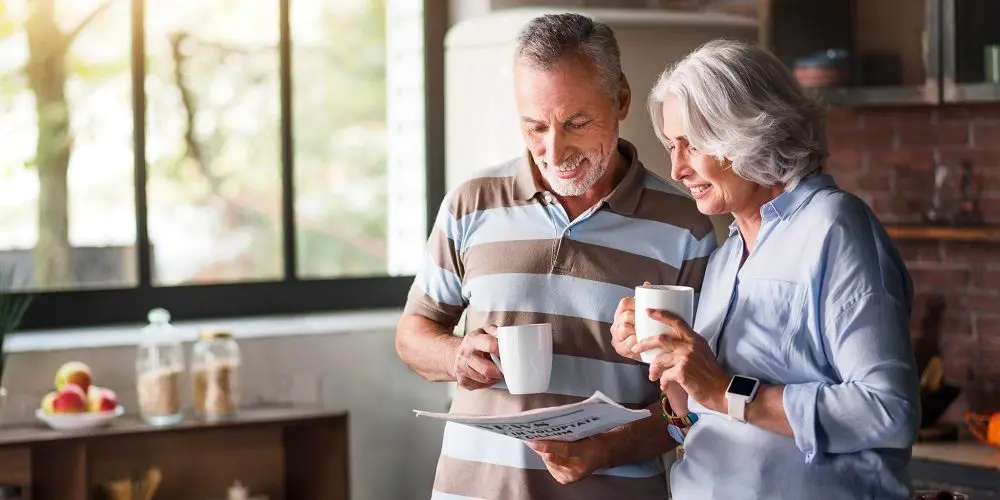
571	422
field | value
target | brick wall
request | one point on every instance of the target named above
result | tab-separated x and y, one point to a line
888	157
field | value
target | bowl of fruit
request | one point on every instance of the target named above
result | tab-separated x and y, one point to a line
77	403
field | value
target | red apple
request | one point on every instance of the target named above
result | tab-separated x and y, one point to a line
70	399
101	399
74	372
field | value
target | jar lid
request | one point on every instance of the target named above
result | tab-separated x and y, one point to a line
210	334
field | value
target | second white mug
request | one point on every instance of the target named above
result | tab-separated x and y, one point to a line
525	357
676	299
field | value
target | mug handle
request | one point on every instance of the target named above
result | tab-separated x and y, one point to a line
496	361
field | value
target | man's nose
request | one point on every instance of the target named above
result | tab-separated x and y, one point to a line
555	147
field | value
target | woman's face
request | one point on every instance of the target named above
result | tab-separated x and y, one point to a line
715	187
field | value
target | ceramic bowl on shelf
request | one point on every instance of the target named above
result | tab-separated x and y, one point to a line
79	421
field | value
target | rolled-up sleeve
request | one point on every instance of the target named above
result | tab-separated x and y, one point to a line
876	402
436	292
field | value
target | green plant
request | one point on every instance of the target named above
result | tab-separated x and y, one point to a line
12	307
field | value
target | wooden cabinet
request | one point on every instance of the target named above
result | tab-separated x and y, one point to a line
284	453
894	52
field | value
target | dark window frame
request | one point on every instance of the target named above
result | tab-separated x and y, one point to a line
290	295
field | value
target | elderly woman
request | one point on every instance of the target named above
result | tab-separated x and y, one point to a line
798	372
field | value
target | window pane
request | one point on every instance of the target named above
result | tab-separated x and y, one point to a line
213	141
67	212
359	137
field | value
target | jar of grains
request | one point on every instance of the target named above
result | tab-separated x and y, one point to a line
159	366
215	370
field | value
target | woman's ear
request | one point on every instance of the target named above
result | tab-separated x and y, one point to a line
624	97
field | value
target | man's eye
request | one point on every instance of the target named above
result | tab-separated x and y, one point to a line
577	125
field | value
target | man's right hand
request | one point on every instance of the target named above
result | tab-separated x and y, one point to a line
473	369
623	330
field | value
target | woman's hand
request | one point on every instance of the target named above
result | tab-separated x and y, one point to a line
623	329
688	360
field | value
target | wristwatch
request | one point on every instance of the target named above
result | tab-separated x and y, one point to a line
740	393
676	425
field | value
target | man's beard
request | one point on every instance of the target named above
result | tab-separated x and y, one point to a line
596	166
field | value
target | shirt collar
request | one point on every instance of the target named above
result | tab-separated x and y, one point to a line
623	199
788	202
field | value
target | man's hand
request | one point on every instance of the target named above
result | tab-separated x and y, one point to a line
623	329
473	368
571	462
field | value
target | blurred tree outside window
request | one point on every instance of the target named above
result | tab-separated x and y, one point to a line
213	140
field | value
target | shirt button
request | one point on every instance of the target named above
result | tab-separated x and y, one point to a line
547	197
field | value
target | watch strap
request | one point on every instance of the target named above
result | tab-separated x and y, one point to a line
737	406
681	421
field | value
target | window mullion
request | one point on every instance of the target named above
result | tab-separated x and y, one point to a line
287	146
142	244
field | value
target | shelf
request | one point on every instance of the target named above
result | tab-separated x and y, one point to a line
987	234
281	452
130	424
892	47
971	92
878	96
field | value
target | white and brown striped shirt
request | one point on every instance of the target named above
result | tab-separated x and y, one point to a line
505	252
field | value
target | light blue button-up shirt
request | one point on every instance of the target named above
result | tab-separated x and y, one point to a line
821	306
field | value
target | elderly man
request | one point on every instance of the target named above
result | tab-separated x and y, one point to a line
556	236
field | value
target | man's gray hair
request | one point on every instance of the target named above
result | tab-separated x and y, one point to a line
547	40
739	102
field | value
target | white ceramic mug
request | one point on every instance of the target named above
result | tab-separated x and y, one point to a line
676	299
525	357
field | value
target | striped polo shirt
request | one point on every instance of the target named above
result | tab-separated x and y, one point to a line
504	252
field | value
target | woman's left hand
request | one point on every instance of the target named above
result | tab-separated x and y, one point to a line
686	359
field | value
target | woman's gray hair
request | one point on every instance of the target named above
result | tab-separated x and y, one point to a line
547	40
739	102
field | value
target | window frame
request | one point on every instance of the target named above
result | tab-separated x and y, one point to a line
291	295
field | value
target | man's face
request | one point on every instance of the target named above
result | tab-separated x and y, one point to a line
569	123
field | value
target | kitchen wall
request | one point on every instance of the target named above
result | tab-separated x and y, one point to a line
888	156
392	453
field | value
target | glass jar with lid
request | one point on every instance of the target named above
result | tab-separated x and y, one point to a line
159	366
215	369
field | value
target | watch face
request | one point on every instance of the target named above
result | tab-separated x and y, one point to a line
742	386
676	433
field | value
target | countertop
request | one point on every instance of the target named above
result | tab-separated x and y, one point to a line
965	453
130	424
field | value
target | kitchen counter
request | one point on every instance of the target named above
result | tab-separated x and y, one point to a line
969	467
966	453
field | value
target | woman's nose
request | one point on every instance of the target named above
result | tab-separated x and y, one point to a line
679	167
